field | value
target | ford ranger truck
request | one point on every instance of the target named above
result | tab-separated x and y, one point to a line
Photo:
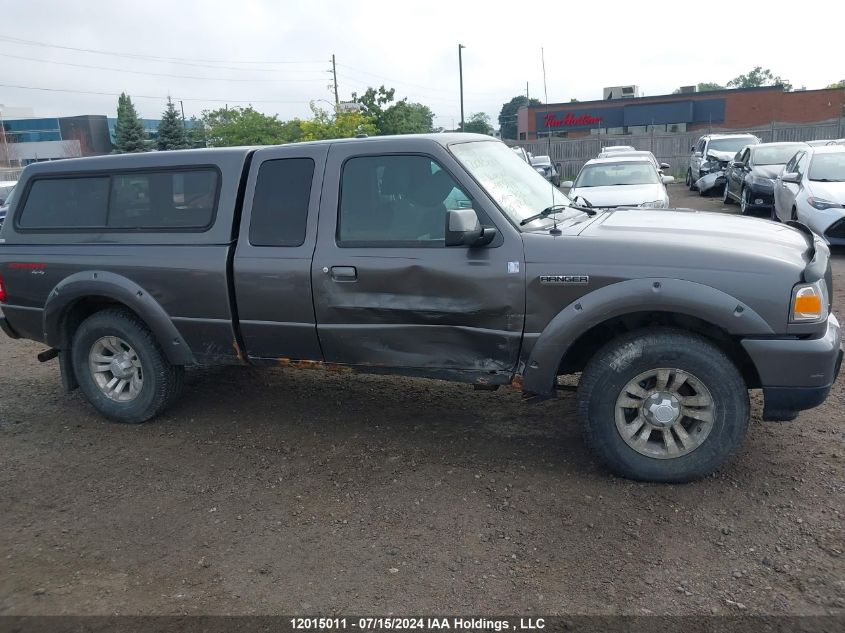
442	256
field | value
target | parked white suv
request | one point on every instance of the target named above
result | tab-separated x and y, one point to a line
713	152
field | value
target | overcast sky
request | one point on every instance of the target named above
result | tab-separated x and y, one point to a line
233	52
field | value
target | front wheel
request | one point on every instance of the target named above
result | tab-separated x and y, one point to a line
744	202
121	369
726	196
690	181
662	405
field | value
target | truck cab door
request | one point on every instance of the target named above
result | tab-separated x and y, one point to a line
272	265
388	292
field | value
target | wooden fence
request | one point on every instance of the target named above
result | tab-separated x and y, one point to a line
672	148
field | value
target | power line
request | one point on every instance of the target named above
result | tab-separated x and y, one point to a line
141	72
176	60
397	81
137	96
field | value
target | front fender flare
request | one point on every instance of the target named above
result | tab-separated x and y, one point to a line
118	288
627	297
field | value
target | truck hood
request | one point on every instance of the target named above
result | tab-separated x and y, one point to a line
619	195
699	231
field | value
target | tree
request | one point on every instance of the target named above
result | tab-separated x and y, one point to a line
227	127
196	133
708	86
171	130
400	117
323	125
129	134
478	123
507	116
758	77
406	118
838	84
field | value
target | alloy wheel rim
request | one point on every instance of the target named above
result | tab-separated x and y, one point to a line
116	369
664	413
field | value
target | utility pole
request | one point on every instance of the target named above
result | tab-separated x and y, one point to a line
182	105
334	77
461	77
526	91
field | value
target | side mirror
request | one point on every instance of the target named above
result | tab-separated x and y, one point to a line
738	164
791	176
692	149
665	166
567	184
464	229
667	180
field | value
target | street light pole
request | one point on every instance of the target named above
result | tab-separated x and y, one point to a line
461	76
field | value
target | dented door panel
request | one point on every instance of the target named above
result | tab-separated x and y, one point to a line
427	308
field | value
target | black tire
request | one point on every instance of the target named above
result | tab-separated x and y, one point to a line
726	196
623	359
743	201
794	214
162	381
690	181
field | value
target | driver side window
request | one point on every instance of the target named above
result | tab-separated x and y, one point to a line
396	200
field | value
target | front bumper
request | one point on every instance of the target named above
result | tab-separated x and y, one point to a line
796	374
4	325
713	180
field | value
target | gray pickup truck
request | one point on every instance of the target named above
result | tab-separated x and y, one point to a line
443	256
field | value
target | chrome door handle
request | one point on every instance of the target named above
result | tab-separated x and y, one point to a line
344	273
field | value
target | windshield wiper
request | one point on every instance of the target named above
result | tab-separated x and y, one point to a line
552	209
827	180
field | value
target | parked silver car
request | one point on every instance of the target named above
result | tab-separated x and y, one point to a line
811	189
712	153
620	181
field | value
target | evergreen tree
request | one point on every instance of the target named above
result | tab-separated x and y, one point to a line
171	130
128	131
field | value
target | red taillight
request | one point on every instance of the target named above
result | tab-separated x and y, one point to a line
2	290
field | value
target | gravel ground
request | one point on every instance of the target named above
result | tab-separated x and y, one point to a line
298	491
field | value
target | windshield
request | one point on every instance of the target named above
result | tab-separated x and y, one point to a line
828	167
732	145
776	154
612	174
512	183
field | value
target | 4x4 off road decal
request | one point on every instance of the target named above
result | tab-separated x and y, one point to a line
566	280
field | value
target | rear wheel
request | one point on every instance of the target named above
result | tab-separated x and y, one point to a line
121	369
662	405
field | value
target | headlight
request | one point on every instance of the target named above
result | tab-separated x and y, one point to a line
809	302
821	204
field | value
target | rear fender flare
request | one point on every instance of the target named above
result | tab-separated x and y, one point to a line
122	290
628	297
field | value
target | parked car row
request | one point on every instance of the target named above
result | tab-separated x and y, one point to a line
797	181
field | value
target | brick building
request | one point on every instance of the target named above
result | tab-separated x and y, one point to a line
737	109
